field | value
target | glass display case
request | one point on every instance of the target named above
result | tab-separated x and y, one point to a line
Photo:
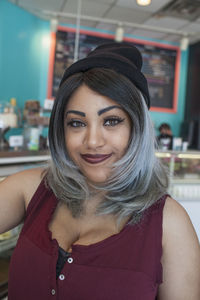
184	170
184	183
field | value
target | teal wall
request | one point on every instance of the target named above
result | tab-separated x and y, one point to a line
24	58
24	54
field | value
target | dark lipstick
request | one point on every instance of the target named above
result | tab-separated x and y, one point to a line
95	158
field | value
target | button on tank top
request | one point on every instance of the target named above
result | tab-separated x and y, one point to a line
124	266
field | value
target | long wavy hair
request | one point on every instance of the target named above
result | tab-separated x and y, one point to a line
137	180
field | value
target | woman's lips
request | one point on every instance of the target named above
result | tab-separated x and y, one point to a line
95	158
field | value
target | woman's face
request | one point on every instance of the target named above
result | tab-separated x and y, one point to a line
97	132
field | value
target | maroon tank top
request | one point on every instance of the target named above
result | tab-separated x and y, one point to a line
124	266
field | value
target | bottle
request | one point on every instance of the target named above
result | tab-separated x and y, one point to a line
34	138
11	114
31	136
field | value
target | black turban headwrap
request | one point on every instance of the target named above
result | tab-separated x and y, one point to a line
124	58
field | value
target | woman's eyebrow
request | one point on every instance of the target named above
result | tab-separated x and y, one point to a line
77	112
101	111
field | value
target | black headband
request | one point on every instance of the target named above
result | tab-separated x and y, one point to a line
123	58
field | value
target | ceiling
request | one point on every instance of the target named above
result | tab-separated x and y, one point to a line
162	19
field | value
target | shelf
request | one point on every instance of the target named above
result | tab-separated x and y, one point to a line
186	181
17	157
190	154
25	159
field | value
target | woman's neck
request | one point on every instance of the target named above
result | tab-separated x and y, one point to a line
91	204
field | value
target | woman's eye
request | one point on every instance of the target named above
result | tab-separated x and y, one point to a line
113	121
75	124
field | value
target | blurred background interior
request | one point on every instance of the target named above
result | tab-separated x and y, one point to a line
40	38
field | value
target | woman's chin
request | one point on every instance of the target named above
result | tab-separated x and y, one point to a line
96	177
98	181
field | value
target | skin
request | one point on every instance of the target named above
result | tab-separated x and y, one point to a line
181	252
165	131
181	255
95	124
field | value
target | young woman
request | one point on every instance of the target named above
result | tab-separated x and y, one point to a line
98	222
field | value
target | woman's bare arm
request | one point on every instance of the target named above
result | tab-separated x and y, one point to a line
15	193
181	255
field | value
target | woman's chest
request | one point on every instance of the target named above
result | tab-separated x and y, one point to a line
121	266
68	231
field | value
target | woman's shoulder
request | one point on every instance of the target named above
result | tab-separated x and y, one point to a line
33	179
35	174
30	176
28	181
181	254
16	192
175	216
176	221
180	240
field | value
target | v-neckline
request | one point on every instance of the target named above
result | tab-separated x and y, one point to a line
80	247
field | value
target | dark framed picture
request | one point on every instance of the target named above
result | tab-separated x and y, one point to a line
161	64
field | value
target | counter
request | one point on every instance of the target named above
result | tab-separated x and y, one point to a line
15	157
15	161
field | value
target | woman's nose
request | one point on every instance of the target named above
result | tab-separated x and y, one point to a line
94	137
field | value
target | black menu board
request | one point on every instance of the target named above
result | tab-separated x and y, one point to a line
159	64
159	69
64	52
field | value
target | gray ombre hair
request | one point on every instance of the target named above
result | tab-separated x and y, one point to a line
137	180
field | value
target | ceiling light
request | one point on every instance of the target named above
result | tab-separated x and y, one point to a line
184	43
143	2
119	34
53	25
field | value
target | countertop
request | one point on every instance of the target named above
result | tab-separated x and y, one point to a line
17	157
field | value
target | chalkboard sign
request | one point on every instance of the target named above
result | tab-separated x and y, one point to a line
160	64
